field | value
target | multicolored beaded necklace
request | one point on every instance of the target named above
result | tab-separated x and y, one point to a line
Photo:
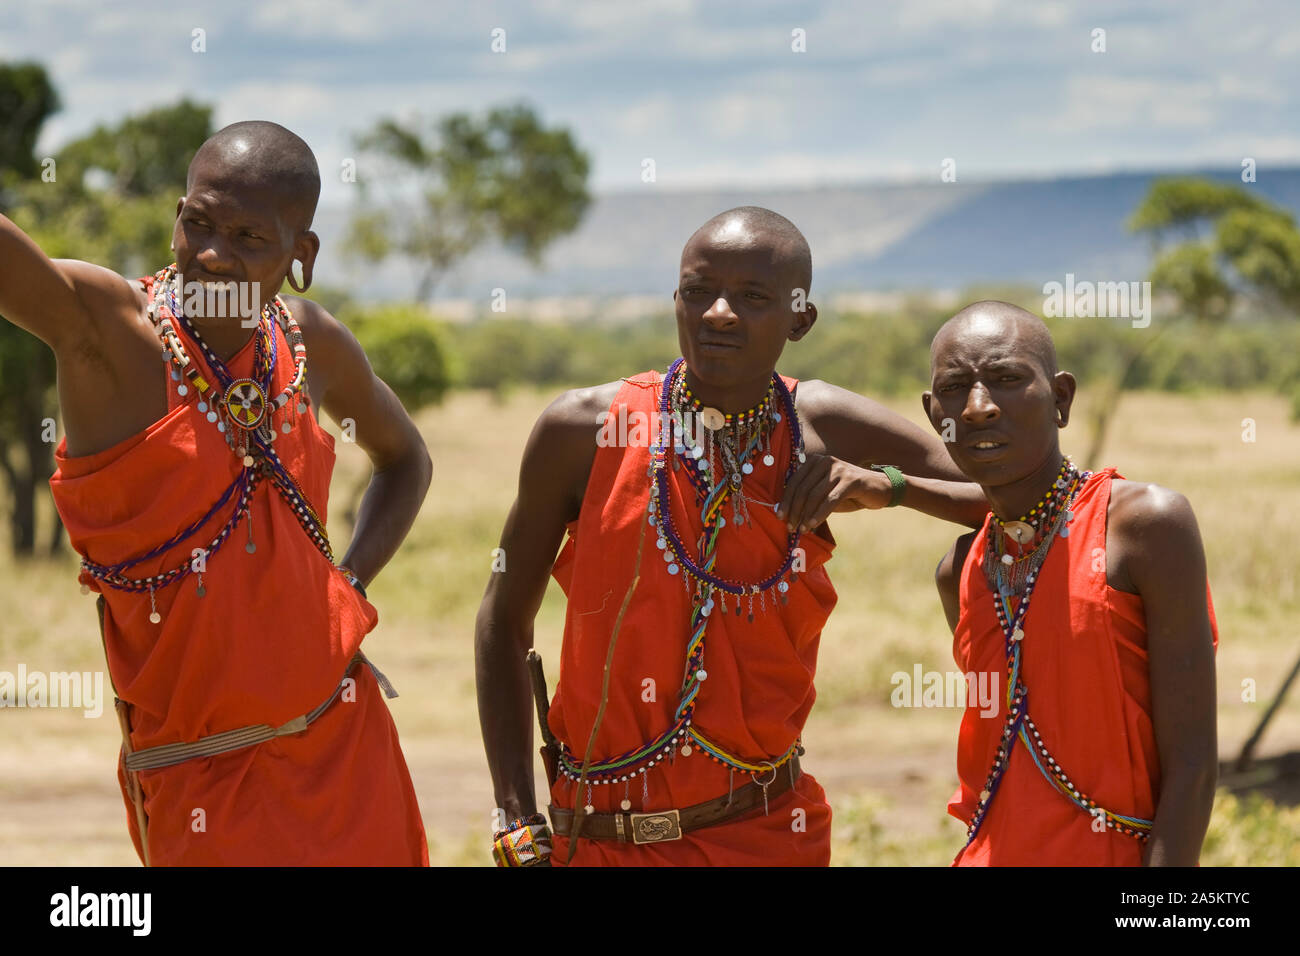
243	416
1053	514
1008	574
716	463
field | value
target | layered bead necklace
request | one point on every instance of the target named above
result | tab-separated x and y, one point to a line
243	415
1011	576
716	450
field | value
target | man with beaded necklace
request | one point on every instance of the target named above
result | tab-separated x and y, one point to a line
254	730
1103	751
695	505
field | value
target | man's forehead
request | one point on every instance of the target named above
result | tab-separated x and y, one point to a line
982	344
246	203
707	252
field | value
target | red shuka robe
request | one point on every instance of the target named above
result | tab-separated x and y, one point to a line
759	688
270	641
1084	662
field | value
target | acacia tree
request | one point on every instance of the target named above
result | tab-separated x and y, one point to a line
1212	245
1234	245
451	185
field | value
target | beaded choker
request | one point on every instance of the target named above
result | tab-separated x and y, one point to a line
716	460
1018	723
244	417
1042	522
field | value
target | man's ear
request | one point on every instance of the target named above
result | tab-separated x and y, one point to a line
180	204
1063	388
926	398
305	251
803	322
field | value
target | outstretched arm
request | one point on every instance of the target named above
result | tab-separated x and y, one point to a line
383	429
56	301
861	431
1166	563
854	432
552	478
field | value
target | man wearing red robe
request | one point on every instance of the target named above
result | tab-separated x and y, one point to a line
694	572
193	479
1084	596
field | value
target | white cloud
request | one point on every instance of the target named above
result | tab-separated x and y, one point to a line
1109	102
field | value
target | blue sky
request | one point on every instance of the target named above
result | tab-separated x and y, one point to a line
712	91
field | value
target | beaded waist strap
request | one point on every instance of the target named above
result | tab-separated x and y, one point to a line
169	755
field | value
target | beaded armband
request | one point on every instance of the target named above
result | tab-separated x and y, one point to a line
525	842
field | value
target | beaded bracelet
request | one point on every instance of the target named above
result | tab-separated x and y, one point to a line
354	580
525	841
897	483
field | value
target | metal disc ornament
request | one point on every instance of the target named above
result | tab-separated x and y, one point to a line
712	419
1019	531
245	402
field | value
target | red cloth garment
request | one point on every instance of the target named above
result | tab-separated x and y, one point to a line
759	688
269	642
1084	662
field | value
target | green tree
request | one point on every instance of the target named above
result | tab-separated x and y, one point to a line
27	373
1234	244
405	349
458	182
27	100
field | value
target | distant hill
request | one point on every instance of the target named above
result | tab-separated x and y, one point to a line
867	237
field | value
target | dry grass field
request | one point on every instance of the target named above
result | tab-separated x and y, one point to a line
888	771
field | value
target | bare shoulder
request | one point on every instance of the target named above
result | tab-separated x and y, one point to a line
576	415
97	286
948	573
319	327
108	300
562	449
817	399
947	577
1151	533
1139	508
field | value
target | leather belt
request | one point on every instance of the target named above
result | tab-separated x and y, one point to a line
168	755
662	826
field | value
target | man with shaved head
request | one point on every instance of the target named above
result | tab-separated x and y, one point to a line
1084	594
193	479
694	505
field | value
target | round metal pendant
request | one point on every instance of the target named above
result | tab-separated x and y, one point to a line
245	402
712	419
1019	531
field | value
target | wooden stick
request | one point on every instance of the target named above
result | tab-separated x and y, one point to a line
580	816
1248	750
134	789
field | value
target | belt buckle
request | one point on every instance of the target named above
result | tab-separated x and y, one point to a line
660	827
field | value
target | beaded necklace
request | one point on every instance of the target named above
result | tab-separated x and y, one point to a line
1018	723
716	468
244	417
1033	523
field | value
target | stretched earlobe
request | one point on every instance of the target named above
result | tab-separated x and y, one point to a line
306	278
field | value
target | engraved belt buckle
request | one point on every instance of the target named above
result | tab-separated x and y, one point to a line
656	827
